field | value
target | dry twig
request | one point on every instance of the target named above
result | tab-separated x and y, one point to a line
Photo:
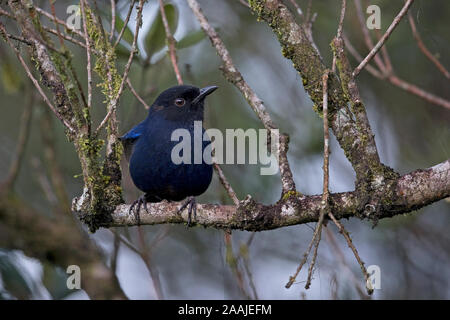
384	38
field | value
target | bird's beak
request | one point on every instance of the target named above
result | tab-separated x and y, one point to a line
203	93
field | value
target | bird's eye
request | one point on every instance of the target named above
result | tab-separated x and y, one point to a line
180	102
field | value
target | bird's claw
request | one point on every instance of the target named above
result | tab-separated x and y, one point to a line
139	202
192	208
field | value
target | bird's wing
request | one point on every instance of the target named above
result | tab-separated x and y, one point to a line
129	139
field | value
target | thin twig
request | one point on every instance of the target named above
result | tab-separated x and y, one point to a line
125	24
297	7
339	30
386	59
125	241
233	263
146	257
326	175
113	20
18	38
88	53
338	252
355	252
419	92
65	36
250	278
115	253
133	46
387	65
306	254
351	49
52	8
309	19
171	42
366	35
47	29
59	21
341	19
314	257
396	81
130	86
326	141
245	258
424	49
245	3
384	38
226	184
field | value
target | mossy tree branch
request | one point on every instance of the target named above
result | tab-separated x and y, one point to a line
102	192
351	129
409	192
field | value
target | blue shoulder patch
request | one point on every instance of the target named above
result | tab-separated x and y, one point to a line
134	133
128	139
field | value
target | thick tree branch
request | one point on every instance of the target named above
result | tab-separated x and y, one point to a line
354	135
404	194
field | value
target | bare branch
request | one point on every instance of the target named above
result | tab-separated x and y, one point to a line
47	29
245	3
384	38
424	49
59	21
393	79
125	23
341	19
226	184
366	35
355	252
338	252
113	20
297	7
88	53
315	239
171	42
419	92
351	49
339	31
130	86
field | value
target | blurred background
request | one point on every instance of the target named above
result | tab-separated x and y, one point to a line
39	237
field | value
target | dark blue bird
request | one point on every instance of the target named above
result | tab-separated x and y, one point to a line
148	146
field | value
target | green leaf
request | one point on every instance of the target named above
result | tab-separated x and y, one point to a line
155	39
191	39
127	34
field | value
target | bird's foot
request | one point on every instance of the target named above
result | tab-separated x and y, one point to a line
192	208
142	200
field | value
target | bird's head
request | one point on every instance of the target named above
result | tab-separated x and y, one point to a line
184	103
